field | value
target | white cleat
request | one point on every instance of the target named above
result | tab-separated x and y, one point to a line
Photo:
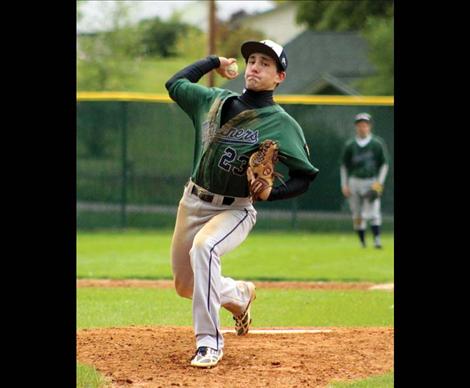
206	357
243	321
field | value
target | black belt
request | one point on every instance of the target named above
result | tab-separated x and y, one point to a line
210	197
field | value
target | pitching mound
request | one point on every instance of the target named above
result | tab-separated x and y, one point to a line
159	357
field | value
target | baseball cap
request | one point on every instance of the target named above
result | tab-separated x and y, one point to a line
362	117
268	47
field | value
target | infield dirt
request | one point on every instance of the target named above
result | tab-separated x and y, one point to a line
298	285
159	357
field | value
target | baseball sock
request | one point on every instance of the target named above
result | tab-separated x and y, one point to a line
376	233
362	234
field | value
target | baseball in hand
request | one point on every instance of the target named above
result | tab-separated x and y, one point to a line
232	69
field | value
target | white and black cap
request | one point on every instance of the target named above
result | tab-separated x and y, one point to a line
268	47
363	117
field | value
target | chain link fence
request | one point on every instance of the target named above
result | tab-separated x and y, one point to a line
135	153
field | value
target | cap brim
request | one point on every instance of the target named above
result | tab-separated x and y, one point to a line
252	47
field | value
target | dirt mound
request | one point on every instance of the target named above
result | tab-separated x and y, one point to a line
261	284
159	357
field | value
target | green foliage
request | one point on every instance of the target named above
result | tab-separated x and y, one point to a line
341	15
379	34
231	36
114	307
159	37
88	377
374	19
279	256
190	46
133	58
108	60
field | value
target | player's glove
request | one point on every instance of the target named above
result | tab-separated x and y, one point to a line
375	191
260	172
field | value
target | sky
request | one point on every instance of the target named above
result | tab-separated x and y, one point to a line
93	21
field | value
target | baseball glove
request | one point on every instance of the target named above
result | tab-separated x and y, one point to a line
375	191
260	172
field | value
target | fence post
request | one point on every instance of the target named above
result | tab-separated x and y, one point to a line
124	165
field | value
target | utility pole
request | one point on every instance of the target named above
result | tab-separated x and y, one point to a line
211	45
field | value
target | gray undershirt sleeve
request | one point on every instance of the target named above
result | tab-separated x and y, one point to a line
344	175
382	173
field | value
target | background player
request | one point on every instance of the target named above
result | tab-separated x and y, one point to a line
363	170
216	212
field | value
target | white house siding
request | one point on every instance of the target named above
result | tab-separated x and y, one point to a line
278	24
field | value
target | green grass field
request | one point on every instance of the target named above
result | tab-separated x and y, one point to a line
268	256
264	255
383	381
88	377
105	307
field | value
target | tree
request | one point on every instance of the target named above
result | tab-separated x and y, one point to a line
230	37
379	34
160	37
231	34
341	15
374	21
108	60
193	44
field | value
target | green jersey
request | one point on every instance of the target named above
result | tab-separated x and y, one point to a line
364	162
222	152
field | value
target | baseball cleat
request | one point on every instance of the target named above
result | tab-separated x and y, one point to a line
206	357
243	321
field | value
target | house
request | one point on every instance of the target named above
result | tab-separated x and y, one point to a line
278	24
322	63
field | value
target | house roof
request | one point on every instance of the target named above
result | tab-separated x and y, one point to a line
334	58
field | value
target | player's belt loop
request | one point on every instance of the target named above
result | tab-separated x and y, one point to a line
228	200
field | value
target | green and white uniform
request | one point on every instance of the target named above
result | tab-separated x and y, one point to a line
221	154
205	231
364	161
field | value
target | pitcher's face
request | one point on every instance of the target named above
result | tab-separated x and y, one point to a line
261	73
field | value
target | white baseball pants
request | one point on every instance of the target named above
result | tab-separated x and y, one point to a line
203	233
362	209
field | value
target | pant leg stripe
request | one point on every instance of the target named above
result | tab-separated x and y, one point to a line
210	265
210	256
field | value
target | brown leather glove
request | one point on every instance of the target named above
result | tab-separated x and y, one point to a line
260	172
375	191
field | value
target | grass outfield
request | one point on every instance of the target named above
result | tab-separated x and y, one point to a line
384	381
88	377
113	307
262	256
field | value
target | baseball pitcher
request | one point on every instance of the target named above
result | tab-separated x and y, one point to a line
363	171
239	138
